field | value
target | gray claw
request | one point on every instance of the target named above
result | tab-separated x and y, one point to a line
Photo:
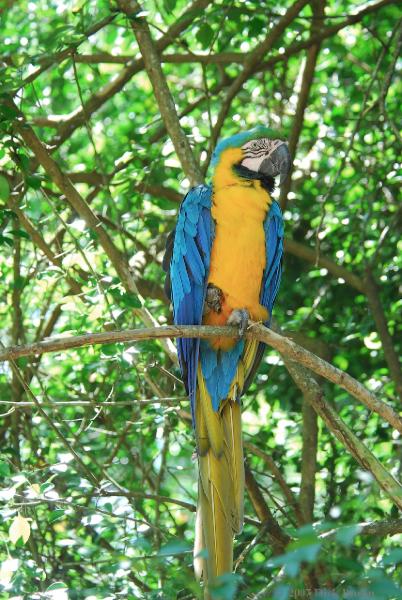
240	317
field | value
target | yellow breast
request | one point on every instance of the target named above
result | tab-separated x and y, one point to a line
238	252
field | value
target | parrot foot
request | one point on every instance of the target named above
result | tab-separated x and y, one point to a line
213	299
240	317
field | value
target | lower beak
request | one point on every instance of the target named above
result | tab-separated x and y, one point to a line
278	163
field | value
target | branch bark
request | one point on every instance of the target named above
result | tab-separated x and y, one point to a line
256	331
376	528
307	82
250	65
78	203
308	459
278	538
315	395
150	55
373	297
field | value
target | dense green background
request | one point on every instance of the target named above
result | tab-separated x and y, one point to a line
94	534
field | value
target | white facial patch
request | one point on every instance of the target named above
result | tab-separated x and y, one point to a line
252	163
255	151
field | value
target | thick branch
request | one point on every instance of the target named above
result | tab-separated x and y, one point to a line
308	254
252	62
83	209
78	117
221	58
96	179
308	459
281	343
313	392
376	528
377	311
278	538
163	96
307	81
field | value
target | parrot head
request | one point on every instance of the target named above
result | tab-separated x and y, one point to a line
263	154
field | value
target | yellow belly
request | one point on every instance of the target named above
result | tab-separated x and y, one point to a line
238	252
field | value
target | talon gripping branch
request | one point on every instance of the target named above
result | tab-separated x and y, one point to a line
224	267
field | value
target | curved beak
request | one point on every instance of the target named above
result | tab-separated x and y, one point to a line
277	163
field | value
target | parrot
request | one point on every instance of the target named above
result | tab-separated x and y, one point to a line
223	264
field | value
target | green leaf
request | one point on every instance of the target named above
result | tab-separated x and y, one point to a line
8	241
4	188
33	181
20	233
281	592
205	34
225	586
175	547
169	5
7	113
130	300
23	159
4	469
57	585
56	514
394	557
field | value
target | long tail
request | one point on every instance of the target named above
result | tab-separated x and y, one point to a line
221	479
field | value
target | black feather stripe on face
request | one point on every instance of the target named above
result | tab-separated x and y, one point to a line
261	147
267	182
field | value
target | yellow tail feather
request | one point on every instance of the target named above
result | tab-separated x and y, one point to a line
221	473
221	479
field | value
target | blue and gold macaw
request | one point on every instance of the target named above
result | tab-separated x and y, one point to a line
224	267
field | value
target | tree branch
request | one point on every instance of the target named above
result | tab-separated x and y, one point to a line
252	61
307	81
221	58
256	331
78	203
377	311
308	459
287	492
163	95
308	254
376	528
279	538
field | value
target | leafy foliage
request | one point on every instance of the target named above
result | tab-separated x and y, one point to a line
97	478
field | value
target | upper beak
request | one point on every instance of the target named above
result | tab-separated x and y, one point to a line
277	163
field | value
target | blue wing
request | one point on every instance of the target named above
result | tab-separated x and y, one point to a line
273	227
274	232
190	250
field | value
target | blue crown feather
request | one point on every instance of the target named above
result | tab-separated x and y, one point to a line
239	139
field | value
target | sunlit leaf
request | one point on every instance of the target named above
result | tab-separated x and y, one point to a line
20	528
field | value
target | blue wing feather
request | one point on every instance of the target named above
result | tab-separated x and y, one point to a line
189	267
273	227
274	232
